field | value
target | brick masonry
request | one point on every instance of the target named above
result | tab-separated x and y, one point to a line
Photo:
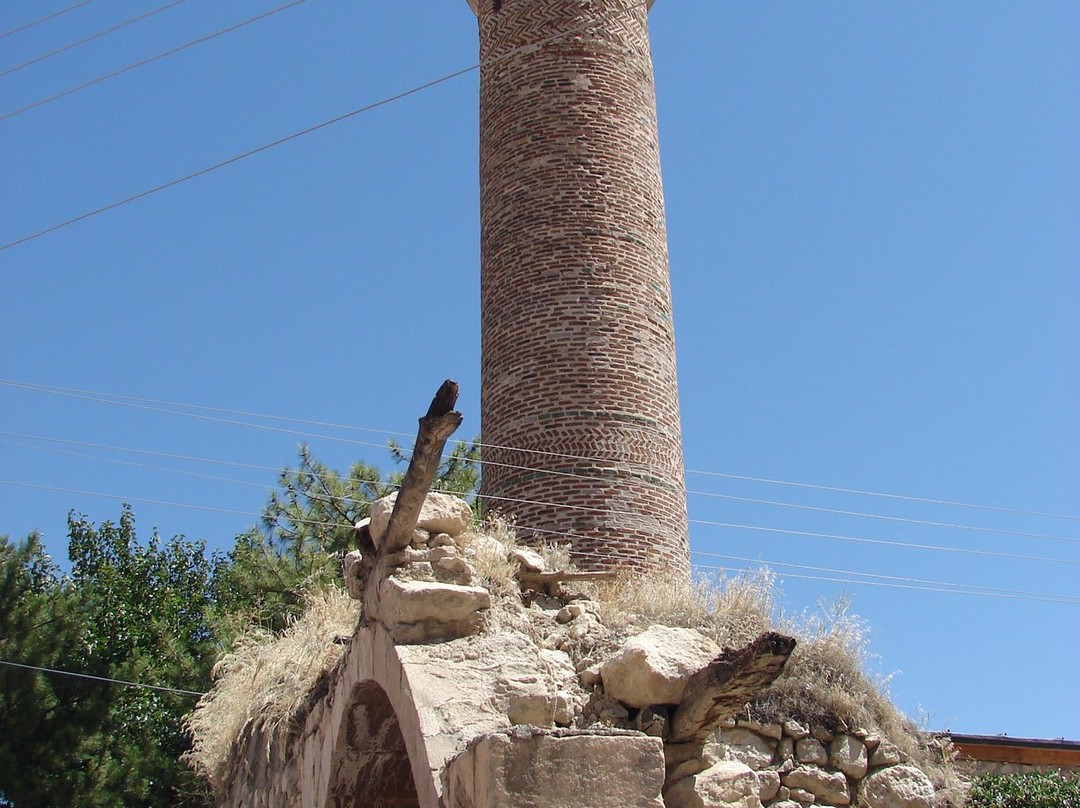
578	368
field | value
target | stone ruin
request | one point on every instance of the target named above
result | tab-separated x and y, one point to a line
449	695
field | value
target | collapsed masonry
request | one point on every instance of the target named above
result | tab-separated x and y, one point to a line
515	694
452	695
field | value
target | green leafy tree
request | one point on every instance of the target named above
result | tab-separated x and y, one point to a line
147	618
44	718
128	611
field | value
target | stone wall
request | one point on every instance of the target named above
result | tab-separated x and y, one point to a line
578	347
791	765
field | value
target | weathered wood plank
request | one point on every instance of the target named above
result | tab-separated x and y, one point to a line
724	687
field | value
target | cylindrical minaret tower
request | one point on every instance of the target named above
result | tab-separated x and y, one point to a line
580	414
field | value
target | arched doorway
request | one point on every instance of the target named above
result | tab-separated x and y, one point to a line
370	766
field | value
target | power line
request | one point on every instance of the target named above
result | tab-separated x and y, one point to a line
98	396
46	18
203	171
906	583
883	542
613	512
960	588
102	679
927	523
853	581
944	586
141	402
132	464
280	141
885	495
149	452
130	67
92	37
606	511
59	490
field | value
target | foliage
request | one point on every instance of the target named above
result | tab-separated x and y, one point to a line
129	611
459	474
43	719
159	613
1052	790
146	610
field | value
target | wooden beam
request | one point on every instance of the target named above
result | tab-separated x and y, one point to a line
727	684
435	428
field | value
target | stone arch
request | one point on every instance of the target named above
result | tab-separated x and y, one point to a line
369	740
370	764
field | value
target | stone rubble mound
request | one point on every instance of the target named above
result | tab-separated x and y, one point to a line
431	596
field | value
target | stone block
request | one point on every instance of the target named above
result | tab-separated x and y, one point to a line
768	784
425	611
525	768
826	786
727	784
441	513
741	745
848	754
885	754
811	750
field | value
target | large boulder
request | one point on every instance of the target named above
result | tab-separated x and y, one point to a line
654	666
441	513
728	784
897	787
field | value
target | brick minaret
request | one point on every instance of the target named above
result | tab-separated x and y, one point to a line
578	346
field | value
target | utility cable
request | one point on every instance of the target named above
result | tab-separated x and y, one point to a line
883	542
46	18
279	141
92	37
237	158
858	582
904	497
607	557
612	512
102	679
132	464
92	395
975	589
142	403
148	452
905	520
121	71
121	400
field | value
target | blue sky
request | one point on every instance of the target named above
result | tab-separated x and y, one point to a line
873	214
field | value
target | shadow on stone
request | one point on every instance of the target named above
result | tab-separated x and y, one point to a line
371	766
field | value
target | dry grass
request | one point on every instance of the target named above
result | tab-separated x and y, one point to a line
732	611
265	679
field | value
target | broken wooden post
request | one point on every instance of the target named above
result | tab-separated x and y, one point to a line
435	428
